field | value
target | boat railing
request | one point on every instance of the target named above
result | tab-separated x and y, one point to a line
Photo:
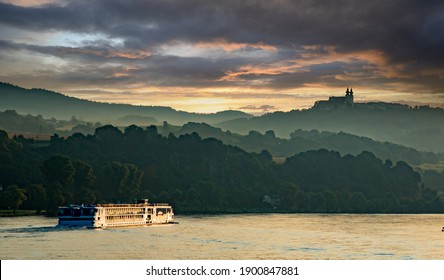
160	204
119	205
131	205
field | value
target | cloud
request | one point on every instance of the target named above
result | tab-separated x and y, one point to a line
88	52
349	24
261	108
249	45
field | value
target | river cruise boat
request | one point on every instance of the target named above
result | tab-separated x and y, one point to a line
141	213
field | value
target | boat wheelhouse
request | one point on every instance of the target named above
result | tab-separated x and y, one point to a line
141	213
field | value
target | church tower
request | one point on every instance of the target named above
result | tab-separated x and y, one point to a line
349	97
337	102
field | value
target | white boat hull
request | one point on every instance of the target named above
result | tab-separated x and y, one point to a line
115	215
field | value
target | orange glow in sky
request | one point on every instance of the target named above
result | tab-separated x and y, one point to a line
204	57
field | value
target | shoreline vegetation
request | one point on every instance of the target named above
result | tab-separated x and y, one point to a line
29	213
198	175
20	213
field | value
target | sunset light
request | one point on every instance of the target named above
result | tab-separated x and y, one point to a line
209	56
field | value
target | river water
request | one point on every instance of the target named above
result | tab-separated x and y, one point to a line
228	237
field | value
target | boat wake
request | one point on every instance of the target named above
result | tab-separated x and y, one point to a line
31	229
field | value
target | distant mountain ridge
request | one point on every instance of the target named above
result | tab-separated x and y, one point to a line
303	140
52	104
300	140
421	127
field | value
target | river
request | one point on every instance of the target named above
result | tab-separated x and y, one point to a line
231	237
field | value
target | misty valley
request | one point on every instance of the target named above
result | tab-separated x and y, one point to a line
373	158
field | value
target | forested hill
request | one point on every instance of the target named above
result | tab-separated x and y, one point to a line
304	140
197	175
51	104
300	140
420	127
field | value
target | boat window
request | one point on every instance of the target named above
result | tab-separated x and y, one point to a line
76	213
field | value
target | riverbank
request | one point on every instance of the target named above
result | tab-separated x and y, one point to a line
20	213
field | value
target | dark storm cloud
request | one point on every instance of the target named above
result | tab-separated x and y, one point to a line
409	33
180	71
351	24
130	66
94	53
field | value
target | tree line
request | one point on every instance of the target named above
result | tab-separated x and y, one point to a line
201	175
306	140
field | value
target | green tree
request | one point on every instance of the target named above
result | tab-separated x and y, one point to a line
59	169
37	199
130	187
12	197
83	181
122	181
56	197
59	173
210	195
358	202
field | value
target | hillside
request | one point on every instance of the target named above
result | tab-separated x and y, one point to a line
419	127
300	140
304	140
428	164
204	175
51	104
38	127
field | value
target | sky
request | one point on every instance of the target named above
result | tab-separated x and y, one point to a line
208	56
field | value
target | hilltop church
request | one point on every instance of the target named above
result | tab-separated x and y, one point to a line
336	102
